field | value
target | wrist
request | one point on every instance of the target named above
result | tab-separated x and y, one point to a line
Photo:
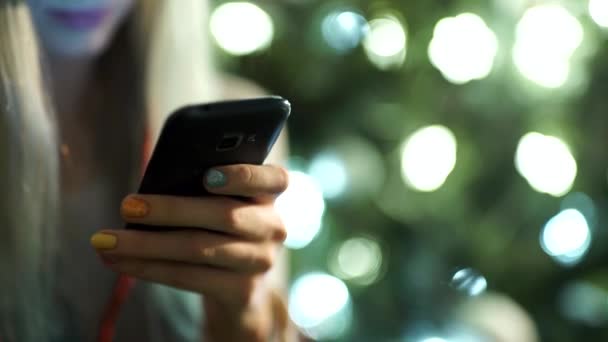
253	322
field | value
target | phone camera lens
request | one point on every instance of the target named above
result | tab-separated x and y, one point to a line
230	142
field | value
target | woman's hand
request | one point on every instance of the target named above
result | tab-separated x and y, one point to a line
224	250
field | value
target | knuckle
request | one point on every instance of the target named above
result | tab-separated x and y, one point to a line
207	253
261	261
244	173
257	333
233	217
276	228
266	260
202	252
283	179
280	231
203	248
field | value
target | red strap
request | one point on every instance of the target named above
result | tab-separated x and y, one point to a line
120	293
124	284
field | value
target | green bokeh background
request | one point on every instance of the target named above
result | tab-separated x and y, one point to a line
486	216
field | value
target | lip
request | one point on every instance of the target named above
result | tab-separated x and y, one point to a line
79	20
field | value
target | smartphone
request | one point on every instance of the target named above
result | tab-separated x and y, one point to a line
198	137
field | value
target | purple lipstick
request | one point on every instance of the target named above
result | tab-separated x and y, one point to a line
79	20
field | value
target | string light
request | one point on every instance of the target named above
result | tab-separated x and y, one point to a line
385	44
301	208
546	163
428	158
566	237
463	48
241	28
546	38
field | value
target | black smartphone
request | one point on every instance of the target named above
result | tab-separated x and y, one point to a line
199	137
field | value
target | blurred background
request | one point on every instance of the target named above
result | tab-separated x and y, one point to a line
448	169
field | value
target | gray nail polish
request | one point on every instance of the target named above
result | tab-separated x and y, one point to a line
215	178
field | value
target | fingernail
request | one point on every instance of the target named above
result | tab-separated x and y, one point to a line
215	178
135	207
103	241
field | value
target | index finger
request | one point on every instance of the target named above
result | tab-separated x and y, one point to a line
247	180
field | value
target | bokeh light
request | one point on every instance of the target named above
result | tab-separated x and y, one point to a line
497	317
584	302
546	163
344	30
584	204
329	170
566	237
433	339
241	28
357	260
511	7
463	48
373	145
364	165
546	38
320	305
428	158
301	208
386	42
598	10
469	282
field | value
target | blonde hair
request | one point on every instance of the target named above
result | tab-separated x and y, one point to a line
179	69
29	180
171	39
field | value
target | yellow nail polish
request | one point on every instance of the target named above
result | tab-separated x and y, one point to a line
135	207
104	241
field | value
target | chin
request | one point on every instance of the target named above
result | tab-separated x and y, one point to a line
73	46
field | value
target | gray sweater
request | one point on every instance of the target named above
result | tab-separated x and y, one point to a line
152	312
